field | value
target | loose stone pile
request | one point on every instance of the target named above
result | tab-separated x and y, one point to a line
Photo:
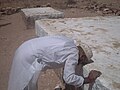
11	10
103	9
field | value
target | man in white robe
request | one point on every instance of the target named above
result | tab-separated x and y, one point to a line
48	52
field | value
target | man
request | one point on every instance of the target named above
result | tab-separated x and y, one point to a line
48	52
83	55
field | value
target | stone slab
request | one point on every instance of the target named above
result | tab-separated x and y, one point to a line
32	14
102	34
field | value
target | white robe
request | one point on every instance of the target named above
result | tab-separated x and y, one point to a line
42	53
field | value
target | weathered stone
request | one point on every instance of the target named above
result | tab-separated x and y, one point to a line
107	11
2	9
32	14
9	11
99	12
38	6
0	14
18	9
102	34
48	5
72	6
118	13
4	13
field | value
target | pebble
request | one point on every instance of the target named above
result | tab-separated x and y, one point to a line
48	5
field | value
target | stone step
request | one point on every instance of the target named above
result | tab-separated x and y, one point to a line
32	14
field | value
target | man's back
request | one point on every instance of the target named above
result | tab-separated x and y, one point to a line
48	41
53	49
50	49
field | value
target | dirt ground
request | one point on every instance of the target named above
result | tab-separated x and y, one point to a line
13	32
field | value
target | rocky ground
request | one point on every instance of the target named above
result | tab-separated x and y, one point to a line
13	31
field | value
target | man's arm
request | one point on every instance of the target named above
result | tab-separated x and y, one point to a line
93	75
69	70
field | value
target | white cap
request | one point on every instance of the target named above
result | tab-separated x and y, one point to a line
87	50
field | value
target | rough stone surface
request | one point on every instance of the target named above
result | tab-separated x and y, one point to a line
103	36
32	14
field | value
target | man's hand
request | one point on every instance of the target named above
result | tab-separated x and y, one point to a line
93	75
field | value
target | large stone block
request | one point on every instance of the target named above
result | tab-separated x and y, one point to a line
102	34
32	14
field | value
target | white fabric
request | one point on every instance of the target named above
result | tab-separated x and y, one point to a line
43	53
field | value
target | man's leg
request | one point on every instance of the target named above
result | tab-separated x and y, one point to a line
33	84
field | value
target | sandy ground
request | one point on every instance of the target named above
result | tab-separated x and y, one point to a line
15	33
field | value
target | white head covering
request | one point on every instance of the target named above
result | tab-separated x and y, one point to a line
87	50
85	47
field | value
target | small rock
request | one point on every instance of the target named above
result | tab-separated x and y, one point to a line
43	5
2	9
38	6
118	13
71	2
104	5
48	5
114	11
9	12
107	11
72	6
4	13
3	38
99	12
118	53
0	14
13	10
18	9
8	8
